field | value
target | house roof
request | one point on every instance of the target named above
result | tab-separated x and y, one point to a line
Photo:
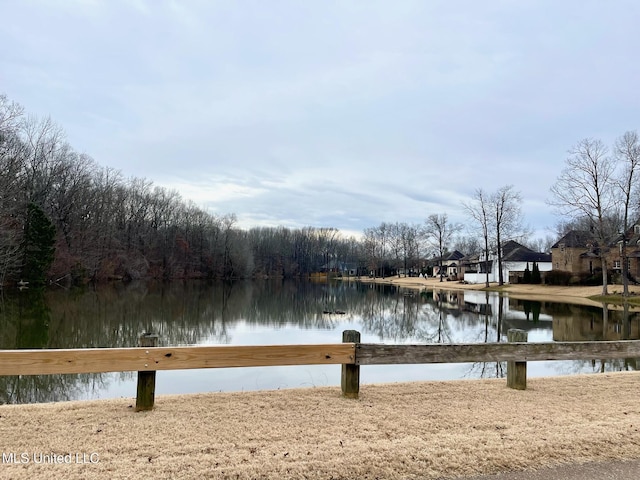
589	254
631	236
512	251
576	239
448	257
585	239
455	255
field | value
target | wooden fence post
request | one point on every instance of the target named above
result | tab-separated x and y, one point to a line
146	379
517	371
350	373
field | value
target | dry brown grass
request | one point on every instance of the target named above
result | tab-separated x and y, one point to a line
409	430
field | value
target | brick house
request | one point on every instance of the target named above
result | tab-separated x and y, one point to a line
576	252
614	256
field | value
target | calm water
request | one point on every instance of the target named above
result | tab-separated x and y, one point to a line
254	313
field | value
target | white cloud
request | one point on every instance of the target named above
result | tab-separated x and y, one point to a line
328	113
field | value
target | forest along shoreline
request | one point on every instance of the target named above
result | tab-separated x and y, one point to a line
579	295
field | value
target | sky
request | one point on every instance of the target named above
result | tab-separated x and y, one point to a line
328	113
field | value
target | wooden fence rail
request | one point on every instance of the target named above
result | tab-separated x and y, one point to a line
351	354
99	360
376	354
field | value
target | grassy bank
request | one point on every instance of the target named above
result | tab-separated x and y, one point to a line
423	430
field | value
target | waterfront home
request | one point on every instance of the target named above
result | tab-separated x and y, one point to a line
515	260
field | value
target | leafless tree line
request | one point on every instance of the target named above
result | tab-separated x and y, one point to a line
493	218
108	226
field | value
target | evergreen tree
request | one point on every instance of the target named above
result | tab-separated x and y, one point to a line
535	309
527	274
535	275
38	247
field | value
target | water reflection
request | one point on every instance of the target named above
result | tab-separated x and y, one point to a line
283	312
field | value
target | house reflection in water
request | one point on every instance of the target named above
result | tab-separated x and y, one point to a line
591	324
466	301
569	323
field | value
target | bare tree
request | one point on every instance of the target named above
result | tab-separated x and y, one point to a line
43	140
376	241
507	219
410	246
439	232
479	210
627	152
467	244
585	188
402	240
395	245
10	114
541	244
11	187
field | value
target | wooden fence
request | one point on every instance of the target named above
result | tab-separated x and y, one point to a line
351	354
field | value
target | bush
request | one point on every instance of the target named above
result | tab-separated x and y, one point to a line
590	279
558	277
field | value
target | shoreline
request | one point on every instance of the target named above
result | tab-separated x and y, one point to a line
420	430
579	295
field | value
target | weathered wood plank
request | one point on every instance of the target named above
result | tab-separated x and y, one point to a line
517	371
380	354
350	380
146	389
98	360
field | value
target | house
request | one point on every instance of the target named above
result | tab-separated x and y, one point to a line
576	252
339	268
515	259
451	265
614	255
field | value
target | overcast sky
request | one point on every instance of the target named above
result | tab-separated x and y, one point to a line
329	113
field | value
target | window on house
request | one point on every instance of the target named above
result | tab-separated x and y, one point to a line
485	267
562	247
616	264
636	229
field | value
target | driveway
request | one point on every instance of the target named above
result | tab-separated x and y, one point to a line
614	470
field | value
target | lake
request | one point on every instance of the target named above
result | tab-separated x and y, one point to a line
284	312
